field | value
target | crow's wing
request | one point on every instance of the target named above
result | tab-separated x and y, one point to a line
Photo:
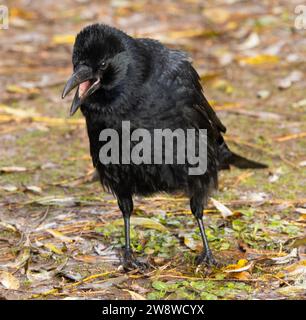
179	76
187	81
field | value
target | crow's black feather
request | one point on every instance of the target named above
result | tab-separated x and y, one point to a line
154	88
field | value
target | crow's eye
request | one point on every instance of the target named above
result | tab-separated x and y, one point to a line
103	65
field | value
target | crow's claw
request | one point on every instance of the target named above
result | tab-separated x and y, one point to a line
206	258
129	262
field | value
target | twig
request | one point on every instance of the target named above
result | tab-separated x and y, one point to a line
73	285
291	137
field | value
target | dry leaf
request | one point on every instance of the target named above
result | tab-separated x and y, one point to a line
298	242
51	201
244	275
9	188
7	226
225	211
191	243
218	15
63	39
259	59
58	235
17	112
42	275
21	259
143	222
135	295
87	258
53	248
9	281
12	169
287	82
33	189
251	42
241	266
263	94
286	259
12	88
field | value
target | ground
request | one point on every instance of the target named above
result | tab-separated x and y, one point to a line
60	234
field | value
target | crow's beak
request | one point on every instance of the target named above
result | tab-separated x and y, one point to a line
87	84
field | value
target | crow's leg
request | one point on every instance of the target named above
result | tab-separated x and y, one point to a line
206	257
125	204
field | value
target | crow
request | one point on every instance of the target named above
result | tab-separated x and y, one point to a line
120	78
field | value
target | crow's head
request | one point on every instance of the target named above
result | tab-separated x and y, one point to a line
100	61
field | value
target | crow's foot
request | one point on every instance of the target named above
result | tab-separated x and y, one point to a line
206	258
129	262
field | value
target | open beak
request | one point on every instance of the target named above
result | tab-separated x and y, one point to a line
87	84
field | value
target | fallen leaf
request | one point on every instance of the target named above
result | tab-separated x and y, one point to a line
12	169
225	211
244	275
264	115
296	268
299	104
241	266
135	295
260	197
263	94
88	258
58	235
291	137
225	58
191	243
33	189
53	248
297	242
218	15
293	77
40	275
17	112
251	42
21	259
63	39
301	210
52	201
286	259
143	222
7	226
9	188
259	59
276	175
22	13
9	281
70	275
21	90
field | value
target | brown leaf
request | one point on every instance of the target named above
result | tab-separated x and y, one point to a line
9	281
143	222
135	295
58	235
225	211
53	248
12	169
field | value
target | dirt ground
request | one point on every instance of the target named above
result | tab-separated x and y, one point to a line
60	234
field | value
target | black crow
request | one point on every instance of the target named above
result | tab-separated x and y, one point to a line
119	78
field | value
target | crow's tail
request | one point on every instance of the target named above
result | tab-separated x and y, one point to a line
244	163
228	158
